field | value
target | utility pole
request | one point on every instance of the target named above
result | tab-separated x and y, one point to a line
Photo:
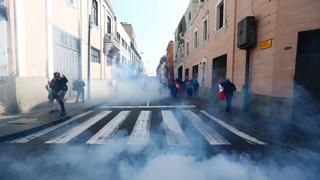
246	82
89	56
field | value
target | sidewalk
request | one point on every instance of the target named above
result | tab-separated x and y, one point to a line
264	128
17	125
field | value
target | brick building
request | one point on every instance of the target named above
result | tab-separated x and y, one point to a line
287	38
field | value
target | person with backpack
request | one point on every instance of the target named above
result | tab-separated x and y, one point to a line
59	89
228	88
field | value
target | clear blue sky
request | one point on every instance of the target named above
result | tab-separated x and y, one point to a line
154	22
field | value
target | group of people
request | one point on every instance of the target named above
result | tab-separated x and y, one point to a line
187	88
57	89
190	89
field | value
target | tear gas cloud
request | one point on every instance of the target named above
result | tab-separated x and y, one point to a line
117	160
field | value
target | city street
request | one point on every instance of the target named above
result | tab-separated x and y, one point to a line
114	136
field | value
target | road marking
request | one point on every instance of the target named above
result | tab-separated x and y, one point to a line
175	135
68	136
148	103
243	135
148	107
24	121
9	117
141	131
108	130
210	134
47	130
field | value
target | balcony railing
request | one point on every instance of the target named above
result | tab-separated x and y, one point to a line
110	42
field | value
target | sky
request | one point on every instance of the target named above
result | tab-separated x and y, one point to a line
154	23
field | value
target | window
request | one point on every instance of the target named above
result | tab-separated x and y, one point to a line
187	48
189	16
95	55
109	25
95	12
124	44
118	36
220	15
195	39
205	30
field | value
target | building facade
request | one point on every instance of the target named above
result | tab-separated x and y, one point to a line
284	30
74	37
170	63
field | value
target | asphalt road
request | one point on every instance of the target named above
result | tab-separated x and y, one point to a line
112	140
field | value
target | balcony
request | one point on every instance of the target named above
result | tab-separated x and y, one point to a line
111	45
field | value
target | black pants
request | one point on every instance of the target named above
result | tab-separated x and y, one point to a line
228	103
60	98
80	93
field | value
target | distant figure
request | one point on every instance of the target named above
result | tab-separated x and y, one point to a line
59	88
50	96
195	87
189	89
228	88
78	86
173	89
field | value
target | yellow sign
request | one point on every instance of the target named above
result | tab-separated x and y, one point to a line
266	44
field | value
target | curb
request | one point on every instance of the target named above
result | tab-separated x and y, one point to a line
19	134
23	133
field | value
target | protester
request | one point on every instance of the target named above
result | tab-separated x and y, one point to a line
173	89
189	89
59	88
228	89
78	86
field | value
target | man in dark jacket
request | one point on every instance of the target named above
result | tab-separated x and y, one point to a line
59	89
229	88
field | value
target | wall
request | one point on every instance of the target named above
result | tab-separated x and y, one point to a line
26	88
7	96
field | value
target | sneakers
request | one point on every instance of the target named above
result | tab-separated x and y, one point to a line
63	114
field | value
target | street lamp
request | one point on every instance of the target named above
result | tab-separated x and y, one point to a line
89	55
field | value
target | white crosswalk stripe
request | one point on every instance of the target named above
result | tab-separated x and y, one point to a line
74	132
243	135
140	134
50	129
175	135
141	131
211	135
107	131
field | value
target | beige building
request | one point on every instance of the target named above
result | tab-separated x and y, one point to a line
207	48
45	36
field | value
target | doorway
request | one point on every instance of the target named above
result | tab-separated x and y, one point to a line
195	72
219	72
306	98
180	71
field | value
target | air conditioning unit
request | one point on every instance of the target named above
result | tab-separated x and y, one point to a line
247	33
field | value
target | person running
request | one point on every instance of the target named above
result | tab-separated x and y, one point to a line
59	88
228	88
78	86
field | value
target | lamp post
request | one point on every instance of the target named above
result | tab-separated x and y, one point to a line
89	55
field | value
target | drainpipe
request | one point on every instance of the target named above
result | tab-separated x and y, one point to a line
234	38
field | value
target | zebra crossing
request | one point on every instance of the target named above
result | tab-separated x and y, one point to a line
140	134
